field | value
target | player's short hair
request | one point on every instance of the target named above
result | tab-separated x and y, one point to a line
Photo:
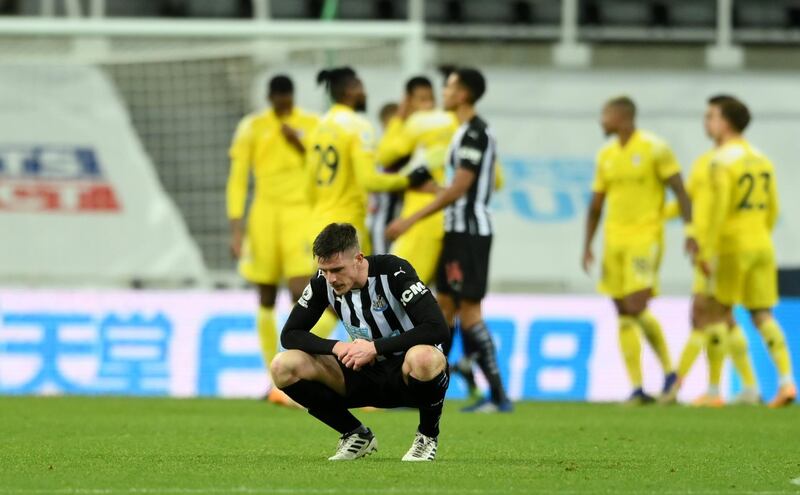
334	239
337	80
624	103
388	110
733	111
280	85
418	82
473	81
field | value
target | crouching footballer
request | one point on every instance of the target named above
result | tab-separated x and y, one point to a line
394	359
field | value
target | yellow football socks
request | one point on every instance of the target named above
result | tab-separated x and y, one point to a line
776	345
267	334
697	340
631	348
655	336
737	347
717	340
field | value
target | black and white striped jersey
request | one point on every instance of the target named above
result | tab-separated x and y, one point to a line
473	147
394	309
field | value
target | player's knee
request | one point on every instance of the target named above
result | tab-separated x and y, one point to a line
286	367
424	362
760	316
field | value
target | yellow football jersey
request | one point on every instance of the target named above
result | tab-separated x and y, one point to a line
341	164
632	178
278	167
743	207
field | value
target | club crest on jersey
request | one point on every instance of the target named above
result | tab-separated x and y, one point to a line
307	293
636	160
379	304
408	295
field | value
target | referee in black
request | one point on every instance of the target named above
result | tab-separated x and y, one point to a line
464	264
395	357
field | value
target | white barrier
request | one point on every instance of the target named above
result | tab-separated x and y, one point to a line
80	201
204	343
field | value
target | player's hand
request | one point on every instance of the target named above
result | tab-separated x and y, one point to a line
588	260
403	109
340	349
397	228
419	176
236	245
692	248
291	136
359	354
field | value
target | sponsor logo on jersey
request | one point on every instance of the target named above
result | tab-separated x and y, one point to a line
415	290
469	154
357	332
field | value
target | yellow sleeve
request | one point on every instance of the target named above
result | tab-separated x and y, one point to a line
309	124
773	204
666	163
671	210
240	154
715	210
396	142
362	152
599	184
499	175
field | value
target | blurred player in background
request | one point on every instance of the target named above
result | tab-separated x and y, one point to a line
739	254
463	267
384	206
271	145
394	360
632	172
341	158
699	189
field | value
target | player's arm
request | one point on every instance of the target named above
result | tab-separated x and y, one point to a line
364	166
296	333
773	204
685	204
396	145
236	190
469	156
595	213
593	217
430	327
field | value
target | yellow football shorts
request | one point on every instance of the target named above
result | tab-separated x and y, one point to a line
276	244
749	278
629	268
422	245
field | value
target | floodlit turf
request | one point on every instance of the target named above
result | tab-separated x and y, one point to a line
118	445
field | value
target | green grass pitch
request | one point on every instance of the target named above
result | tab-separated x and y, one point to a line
77	445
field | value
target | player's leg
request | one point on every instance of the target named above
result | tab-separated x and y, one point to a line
475	331
716	329
617	273
425	373
318	383
694	344
760	295
265	322
641	287
740	356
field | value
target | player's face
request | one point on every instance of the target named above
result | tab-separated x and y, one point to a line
610	119
360	96
341	271
421	99
282	103
714	122
453	94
